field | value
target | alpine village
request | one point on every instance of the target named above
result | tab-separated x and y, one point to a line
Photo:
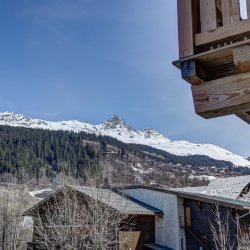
71	185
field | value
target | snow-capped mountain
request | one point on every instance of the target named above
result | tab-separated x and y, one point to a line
116	127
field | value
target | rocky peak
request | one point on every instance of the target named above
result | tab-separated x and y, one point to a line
10	116
116	122
151	133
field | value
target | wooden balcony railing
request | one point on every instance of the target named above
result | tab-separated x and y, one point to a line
211	23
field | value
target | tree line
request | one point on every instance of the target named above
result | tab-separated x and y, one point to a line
39	152
42	152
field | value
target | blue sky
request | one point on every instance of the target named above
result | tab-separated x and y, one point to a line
89	59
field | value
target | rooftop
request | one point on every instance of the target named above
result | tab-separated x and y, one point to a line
124	204
231	187
229	192
120	202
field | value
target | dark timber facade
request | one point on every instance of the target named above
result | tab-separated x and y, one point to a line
199	215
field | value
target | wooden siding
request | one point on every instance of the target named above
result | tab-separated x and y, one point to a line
146	226
142	233
201	214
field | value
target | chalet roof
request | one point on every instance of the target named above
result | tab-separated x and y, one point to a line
230	192
212	199
230	187
117	201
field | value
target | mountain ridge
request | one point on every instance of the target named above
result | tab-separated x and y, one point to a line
117	127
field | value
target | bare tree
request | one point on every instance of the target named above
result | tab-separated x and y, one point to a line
71	221
14	200
60	222
220	229
243	236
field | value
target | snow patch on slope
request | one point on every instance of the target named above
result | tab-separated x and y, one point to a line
38	192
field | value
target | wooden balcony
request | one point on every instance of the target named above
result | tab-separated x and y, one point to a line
214	56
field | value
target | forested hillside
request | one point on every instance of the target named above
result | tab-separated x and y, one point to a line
42	152
39	152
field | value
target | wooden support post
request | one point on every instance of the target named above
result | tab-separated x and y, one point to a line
185	28
242	58
248	9
208	15
228	95
230	11
219	13
193	72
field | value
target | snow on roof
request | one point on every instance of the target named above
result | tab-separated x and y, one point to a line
245	197
228	202
123	204
223	187
201	194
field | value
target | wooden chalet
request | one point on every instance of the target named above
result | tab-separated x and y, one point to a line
188	212
214	56
139	214
171	219
231	197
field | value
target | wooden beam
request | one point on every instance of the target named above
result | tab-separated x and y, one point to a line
224	32
212	54
199	204
185	28
230	11
245	116
193	72
198	197
213	207
208	15
242	58
228	95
